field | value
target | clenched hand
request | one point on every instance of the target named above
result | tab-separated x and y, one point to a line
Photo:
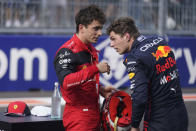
103	67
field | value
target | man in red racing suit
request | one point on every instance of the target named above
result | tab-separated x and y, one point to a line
77	69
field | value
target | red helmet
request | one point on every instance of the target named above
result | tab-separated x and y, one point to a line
117	112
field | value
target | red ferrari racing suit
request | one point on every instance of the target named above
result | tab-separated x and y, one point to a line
75	66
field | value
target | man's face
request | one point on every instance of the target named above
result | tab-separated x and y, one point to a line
92	32
119	43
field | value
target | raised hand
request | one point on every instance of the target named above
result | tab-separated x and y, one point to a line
103	67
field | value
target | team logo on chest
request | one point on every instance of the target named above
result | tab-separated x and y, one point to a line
84	67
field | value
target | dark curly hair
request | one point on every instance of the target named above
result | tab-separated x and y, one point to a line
87	15
123	25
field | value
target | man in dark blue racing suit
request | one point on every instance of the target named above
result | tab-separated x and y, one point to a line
155	86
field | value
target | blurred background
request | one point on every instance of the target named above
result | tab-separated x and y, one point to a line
173	17
31	31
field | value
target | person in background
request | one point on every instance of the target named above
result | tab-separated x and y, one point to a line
12	13
57	12
155	86
77	69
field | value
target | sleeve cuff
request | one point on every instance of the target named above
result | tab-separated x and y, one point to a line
95	69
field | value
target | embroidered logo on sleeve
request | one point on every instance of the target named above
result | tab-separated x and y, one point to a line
131	75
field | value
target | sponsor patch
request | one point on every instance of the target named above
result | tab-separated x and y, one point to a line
169	63
154	42
64	66
132	86
167	78
141	38
84	67
126	60
132	68
63	55
131	75
64	61
162	51
131	62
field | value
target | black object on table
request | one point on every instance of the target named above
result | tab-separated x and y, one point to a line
30	123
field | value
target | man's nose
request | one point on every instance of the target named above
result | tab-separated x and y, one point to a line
99	32
111	44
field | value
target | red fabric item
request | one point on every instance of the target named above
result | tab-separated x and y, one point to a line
79	120
118	100
18	108
127	107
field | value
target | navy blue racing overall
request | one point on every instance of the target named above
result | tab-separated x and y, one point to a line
155	86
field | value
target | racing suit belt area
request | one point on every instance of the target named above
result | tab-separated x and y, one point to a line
75	65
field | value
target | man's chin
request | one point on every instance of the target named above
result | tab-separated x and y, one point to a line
95	41
118	52
121	53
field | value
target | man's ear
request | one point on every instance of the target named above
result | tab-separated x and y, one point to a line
127	37
81	27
